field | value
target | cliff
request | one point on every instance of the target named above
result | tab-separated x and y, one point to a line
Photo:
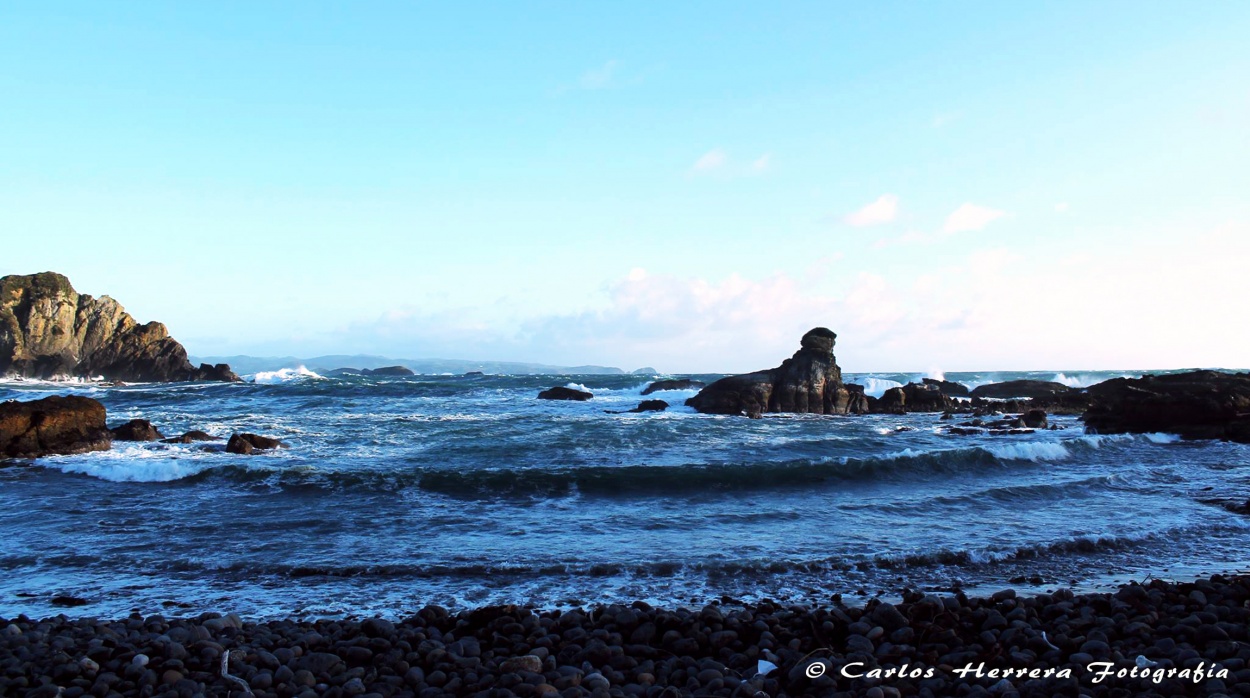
47	329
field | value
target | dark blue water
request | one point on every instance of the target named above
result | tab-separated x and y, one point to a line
458	490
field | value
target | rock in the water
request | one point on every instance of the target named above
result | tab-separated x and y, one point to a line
47	329
1021	389
673	384
1034	418
247	443
915	397
808	382
389	371
651	406
137	430
474	373
562	393
53	425
950	388
1195	405
191	437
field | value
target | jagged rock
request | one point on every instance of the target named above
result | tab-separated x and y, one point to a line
1034	418
47	329
245	444
644	406
562	393
808	382
950	388
673	384
1021	389
857	401
191	437
137	430
53	425
1195	405
915	397
389	371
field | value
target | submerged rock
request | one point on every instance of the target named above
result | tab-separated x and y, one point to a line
673	384
1195	405
562	393
47	330
808	382
191	437
644	406
53	426
137	430
246	444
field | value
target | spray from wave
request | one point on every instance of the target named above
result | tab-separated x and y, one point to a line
284	375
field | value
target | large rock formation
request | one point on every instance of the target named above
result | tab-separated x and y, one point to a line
53	425
1196	405
673	384
916	397
808	382
47	330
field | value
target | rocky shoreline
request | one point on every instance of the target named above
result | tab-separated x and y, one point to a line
1154	639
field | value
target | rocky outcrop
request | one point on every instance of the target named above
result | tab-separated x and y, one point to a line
673	384
52	426
1195	405
137	430
1021	389
47	330
562	393
190	437
246	444
644	406
950	388
915	397
389	371
808	382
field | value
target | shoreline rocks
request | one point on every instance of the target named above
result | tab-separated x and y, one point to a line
1021	389
1195	405
673	384
809	382
248	444
53	426
137	430
634	649
49	330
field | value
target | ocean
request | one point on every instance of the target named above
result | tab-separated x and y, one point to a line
464	491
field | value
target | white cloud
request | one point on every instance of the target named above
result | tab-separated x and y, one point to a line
1061	207
599	78
970	217
713	159
881	211
763	163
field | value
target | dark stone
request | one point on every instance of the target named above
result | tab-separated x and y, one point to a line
53	425
1021	389
137	430
47	329
562	393
915	397
190	437
808	382
673	384
389	371
1034	418
474	373
1195	405
950	388
66	601
651	406
245	444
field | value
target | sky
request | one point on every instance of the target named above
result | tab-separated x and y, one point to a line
690	186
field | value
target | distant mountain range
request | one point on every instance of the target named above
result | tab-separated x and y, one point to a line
322	364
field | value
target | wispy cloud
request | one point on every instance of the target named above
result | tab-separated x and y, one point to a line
970	217
599	78
717	161
883	210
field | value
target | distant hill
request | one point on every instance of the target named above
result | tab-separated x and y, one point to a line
321	364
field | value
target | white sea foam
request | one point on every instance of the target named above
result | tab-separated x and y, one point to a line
1163	438
283	375
1035	451
876	387
1079	380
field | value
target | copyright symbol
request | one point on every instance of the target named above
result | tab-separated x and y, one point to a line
815	670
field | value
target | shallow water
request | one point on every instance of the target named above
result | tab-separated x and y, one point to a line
398	492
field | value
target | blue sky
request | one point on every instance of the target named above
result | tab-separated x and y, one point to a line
949	186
